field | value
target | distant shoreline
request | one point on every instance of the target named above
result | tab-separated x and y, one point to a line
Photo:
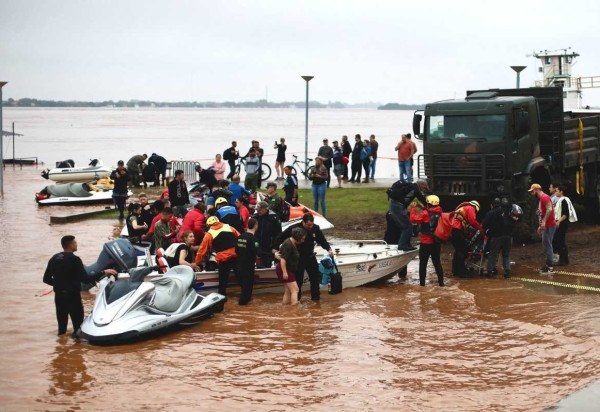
259	104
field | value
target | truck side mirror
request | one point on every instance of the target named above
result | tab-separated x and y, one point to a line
417	125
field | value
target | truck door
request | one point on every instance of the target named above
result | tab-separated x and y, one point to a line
522	147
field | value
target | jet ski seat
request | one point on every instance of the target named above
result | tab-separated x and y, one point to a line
172	287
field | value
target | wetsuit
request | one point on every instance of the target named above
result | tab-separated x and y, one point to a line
246	249
65	273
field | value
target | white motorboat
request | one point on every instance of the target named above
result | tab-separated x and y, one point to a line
360	262
94	171
74	194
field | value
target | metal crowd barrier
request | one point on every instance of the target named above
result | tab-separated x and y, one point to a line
188	167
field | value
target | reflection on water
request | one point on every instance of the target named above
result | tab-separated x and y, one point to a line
68	372
475	344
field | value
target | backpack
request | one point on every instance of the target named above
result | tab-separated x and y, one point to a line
432	224
400	191
226	154
443	228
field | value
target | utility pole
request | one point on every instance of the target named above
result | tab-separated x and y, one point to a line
1	144
307	79
518	69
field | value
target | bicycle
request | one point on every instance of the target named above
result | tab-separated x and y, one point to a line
307	167
264	168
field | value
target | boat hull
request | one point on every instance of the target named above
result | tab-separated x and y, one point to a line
358	267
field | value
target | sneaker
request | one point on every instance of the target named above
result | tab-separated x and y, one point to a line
547	269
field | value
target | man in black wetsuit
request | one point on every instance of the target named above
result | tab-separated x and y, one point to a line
308	261
64	273
246	250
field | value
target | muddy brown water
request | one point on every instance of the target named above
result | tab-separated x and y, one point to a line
477	343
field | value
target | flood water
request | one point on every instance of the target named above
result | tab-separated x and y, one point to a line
474	344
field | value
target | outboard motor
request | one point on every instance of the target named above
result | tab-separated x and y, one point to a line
118	254
93	162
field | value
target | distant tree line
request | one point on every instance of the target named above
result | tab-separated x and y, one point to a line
28	102
398	106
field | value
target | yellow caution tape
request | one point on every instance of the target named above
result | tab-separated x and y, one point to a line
580	275
560	284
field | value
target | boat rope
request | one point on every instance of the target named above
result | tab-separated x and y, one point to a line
560	284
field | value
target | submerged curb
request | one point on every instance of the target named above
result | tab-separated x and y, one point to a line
81	216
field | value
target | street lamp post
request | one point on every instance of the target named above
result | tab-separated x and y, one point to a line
1	145
307	79
518	69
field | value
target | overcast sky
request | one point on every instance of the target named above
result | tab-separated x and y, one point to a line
358	51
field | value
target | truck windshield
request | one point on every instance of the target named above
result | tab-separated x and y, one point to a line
482	128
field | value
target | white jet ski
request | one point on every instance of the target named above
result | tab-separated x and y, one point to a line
130	309
94	171
74	194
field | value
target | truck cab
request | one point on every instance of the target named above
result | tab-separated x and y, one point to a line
497	142
479	147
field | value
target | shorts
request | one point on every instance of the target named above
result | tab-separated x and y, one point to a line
338	169
279	273
280	159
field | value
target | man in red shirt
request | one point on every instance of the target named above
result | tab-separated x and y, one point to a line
405	150
547	225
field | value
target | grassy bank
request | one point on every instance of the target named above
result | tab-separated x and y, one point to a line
357	213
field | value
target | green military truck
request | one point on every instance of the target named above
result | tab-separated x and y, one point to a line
498	142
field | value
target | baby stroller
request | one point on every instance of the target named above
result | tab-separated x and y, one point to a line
477	253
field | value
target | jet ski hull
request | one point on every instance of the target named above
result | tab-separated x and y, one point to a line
131	309
151	325
144	323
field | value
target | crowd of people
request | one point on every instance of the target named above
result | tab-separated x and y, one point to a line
226	231
228	228
413	205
